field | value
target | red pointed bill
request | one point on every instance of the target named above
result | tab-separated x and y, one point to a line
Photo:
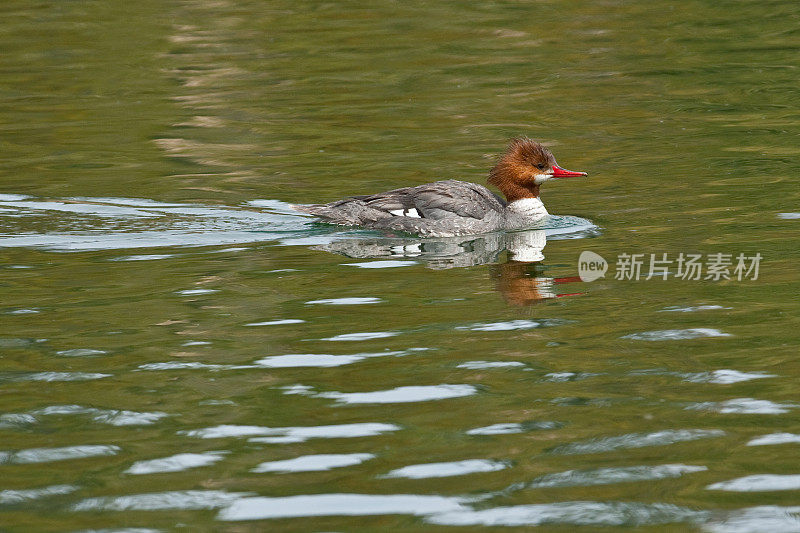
559	172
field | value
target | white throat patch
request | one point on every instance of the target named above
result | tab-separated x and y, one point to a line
541	178
528	208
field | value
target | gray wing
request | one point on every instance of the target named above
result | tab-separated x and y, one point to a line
444	199
433	201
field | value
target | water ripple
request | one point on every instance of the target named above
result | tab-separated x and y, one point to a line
454	468
346	301
676	334
580	513
293	434
726	377
748	406
81	352
636	440
718	377
368	335
46	455
412	393
606	476
693	309
176	463
382	264
775	438
162	501
13	497
313	463
514	325
113	417
485	365
279	322
339	505
323	360
522	427
50	376
759	483
770	518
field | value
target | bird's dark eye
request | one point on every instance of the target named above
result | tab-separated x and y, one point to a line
540	166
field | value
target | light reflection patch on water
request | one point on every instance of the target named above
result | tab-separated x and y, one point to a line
563	377
775	438
11	342
297	388
321	360
346	301
448	469
770	518
726	377
47	455
607	476
692	309
486	365
16	420
32	311
676	334
513	325
14	497
717	377
143	257
51	376
32	207
196	292
313	463
81	352
176	463
260	508
113	417
382	264
115	223
293	434
748	406
759	483
183	365
280	322
189	500
365	336
635	440
516	427
409	394
579	513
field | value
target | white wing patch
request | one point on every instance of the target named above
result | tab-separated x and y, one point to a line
412	213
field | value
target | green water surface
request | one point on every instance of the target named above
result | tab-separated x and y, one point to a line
130	334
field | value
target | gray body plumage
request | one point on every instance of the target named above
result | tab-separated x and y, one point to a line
440	209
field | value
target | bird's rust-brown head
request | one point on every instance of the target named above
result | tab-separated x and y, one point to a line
524	167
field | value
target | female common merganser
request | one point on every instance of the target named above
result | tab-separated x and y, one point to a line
450	208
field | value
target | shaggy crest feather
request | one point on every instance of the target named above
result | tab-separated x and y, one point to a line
516	170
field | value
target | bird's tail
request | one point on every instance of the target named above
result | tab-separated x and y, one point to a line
330	213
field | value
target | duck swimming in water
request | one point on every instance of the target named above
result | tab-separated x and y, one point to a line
451	208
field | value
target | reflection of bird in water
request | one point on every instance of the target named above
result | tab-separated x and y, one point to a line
519	279
522	283
442	253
